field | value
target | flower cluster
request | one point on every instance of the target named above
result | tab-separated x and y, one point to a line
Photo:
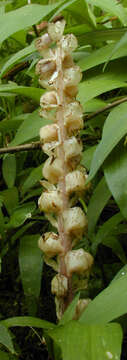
65	177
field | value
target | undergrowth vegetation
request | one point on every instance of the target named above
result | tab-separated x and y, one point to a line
29	327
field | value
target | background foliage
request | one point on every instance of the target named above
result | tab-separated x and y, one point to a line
101	29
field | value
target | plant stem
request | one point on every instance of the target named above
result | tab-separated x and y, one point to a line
107	107
65	240
25	147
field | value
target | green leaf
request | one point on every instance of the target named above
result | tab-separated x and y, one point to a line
21	214
5	339
29	129
70	311
30	92
106	230
87	156
112	7
9	125
27	321
98	200
99	84
32	179
122	272
115	170
108	305
10	199
114	243
30	262
102	55
9	169
112	134
23	18
116	48
85	36
16	58
4	355
85	342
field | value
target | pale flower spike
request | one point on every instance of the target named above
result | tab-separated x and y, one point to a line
65	178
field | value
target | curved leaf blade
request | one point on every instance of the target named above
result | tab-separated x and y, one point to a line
30	262
113	132
22	18
5	339
27	321
98	200
85	342
29	129
115	170
16	58
30	92
108	305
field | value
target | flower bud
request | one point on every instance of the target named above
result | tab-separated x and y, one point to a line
49	100
75	221
50	202
69	43
81	306
72	76
43	43
75	182
49	148
73	117
55	30
78	262
45	68
52	169
50	244
72	148
50	83
71	91
49	133
59	285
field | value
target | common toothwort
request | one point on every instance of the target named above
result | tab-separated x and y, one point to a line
65	177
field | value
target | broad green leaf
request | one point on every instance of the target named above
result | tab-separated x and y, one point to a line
32	193
30	262
23	18
70	311
112	7
5	339
103	54
112	134
117	47
10	199
87	156
94	105
106	230
27	321
21	231
78	9
97	202
29	129
115	170
30	92
4	355
9	125
32	179
16	58
9	169
88	342
112	242
99	84
108	305
122	272
21	214
85	36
